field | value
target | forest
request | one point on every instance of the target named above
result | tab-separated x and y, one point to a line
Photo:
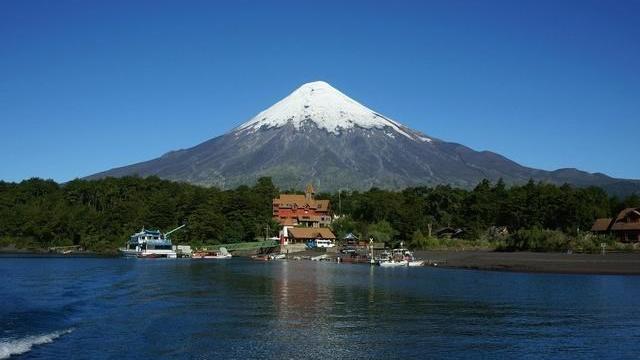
101	214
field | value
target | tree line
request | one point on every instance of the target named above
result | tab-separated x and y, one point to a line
535	215
101	214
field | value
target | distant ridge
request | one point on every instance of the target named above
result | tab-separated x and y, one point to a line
319	134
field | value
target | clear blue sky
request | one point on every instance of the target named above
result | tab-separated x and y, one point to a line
90	85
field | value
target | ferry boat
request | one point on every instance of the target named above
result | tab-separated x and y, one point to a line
150	244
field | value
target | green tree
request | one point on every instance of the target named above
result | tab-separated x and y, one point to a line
382	231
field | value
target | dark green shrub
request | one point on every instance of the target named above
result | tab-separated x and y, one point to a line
537	240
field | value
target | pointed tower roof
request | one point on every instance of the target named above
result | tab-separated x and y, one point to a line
310	189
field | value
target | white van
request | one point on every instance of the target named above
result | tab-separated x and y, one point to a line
324	243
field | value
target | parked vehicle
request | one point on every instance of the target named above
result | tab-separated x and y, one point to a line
324	243
320	243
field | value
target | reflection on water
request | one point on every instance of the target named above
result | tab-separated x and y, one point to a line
301	309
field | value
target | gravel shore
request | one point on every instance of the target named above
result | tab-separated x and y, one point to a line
610	263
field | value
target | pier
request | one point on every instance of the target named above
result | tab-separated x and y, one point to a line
246	246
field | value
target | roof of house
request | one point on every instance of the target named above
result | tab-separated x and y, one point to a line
311	233
285	200
601	224
627	212
322	204
287	222
289	200
621	225
313	218
350	236
446	230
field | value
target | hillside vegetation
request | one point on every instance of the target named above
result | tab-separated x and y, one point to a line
101	214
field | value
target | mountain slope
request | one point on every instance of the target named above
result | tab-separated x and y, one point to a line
319	134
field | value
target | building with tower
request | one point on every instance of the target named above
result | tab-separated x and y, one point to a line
296	211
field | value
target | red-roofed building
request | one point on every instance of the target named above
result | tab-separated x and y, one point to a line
302	210
298	212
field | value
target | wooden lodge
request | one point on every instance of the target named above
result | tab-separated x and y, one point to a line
302	210
303	218
297	235
625	226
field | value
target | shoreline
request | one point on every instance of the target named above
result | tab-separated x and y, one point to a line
42	252
483	260
530	262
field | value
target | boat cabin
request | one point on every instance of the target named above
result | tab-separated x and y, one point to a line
148	240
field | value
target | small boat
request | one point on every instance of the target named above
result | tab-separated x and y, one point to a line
277	257
319	257
220	254
386	259
411	260
383	256
399	257
393	263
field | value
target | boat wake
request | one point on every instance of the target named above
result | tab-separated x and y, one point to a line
9	347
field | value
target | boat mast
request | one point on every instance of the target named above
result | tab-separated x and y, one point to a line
176	229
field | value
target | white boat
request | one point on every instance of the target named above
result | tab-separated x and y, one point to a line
149	244
278	257
399	257
411	260
393	263
319	257
387	259
218	256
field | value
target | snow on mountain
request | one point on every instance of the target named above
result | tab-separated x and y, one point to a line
328	109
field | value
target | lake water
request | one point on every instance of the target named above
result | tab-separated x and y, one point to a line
61	308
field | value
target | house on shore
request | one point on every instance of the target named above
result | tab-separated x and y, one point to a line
302	210
625	226
299	235
303	218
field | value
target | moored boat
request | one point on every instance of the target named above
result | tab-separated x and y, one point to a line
150	244
393	263
319	257
416	263
399	257
221	254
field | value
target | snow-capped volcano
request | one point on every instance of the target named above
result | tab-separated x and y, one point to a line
329	109
318	134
